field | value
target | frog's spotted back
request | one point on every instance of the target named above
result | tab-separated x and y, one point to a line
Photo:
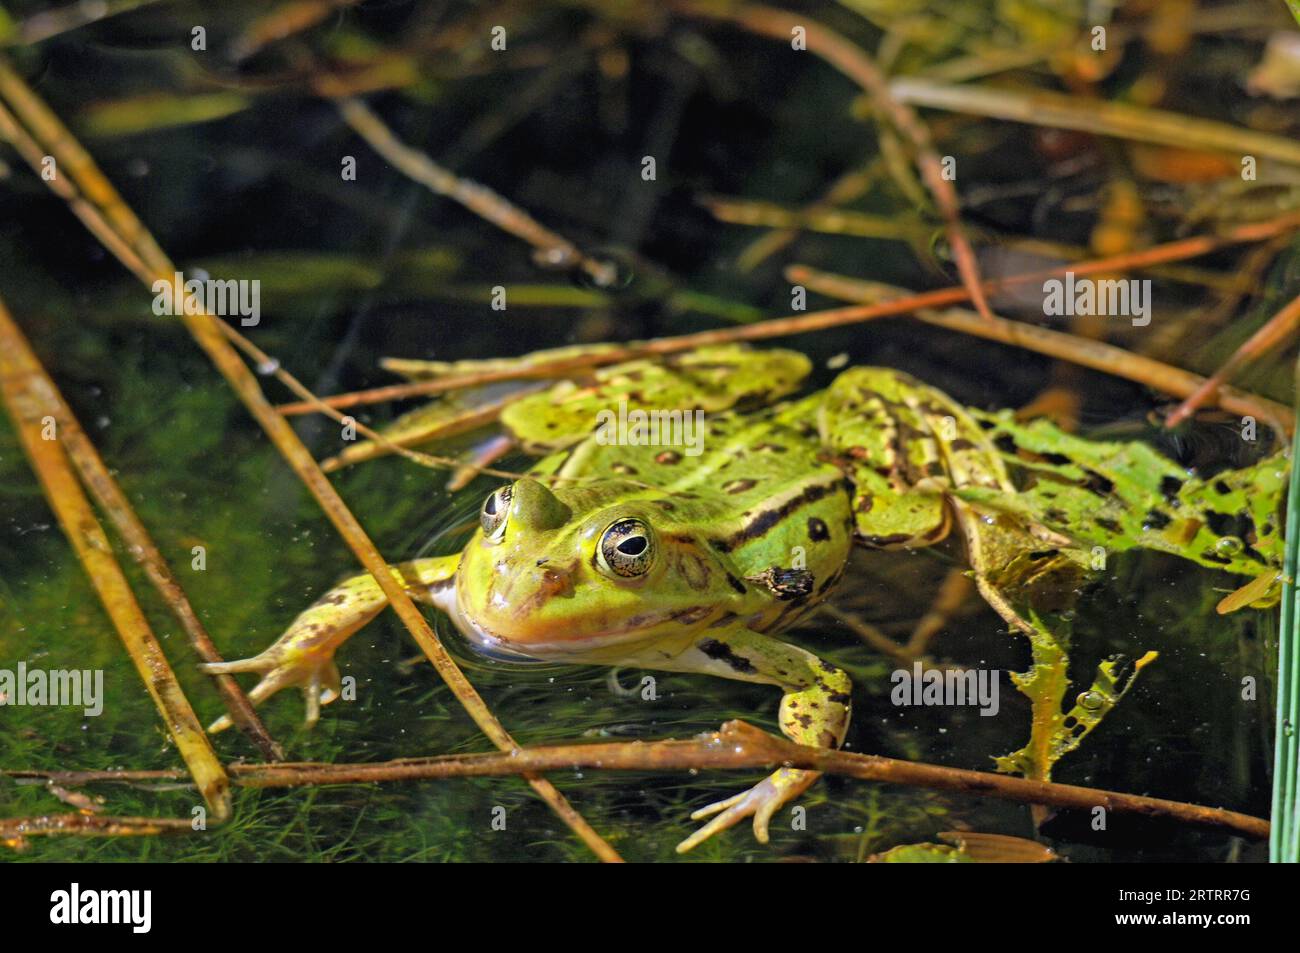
708	380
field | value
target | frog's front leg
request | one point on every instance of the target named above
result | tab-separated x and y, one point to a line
304	655
814	711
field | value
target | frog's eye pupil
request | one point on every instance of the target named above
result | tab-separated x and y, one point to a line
634	546
627	548
495	510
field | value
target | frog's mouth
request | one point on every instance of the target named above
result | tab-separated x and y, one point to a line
494	644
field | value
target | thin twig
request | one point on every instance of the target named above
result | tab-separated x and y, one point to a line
1086	352
553	250
14	830
737	746
855	63
32	404
1275	331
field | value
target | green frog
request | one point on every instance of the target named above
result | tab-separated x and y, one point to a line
692	553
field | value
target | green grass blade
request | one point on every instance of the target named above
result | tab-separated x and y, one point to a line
1284	840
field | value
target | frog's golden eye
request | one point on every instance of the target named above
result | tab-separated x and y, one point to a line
493	515
627	548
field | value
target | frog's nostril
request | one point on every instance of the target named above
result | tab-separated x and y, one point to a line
555	582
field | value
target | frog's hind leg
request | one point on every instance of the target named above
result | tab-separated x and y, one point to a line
304	655
814	711
890	455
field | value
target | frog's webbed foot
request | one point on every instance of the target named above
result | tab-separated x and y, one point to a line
761	801
814	711
318	677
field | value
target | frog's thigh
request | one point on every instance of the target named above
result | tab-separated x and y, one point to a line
862	420
884	516
815	707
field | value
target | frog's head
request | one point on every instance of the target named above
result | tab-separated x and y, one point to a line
585	568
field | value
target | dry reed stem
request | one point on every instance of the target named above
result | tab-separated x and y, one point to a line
1119	120
33	404
108	215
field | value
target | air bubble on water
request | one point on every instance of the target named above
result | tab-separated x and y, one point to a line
1090	700
1228	544
268	367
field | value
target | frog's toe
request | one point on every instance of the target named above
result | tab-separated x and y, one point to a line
319	679
321	689
761	801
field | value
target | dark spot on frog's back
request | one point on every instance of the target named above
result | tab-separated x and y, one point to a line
961	443
818	530
668	457
722	652
1098	484
623	469
1169	487
1157	520
738	486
